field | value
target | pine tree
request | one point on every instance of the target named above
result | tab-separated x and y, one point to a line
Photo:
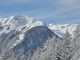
64	48
47	52
76	43
77	31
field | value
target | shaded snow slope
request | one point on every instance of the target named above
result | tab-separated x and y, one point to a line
20	35
15	44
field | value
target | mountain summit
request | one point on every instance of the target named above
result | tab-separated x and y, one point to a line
26	38
20	36
18	22
60	29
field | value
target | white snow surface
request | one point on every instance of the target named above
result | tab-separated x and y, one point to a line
18	22
60	29
21	37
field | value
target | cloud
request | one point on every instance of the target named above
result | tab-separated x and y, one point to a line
30	12
66	3
62	6
46	3
12	2
69	3
47	8
71	21
58	13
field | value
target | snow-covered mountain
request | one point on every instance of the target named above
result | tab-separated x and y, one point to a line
25	23
26	38
18	22
20	36
60	29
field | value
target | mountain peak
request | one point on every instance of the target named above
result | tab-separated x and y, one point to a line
18	22
60	29
23	19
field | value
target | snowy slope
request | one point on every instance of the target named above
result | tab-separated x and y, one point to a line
15	45
18	22
60	29
26	38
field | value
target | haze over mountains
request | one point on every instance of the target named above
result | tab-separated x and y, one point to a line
60	29
26	38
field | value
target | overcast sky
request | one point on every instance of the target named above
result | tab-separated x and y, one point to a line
48	11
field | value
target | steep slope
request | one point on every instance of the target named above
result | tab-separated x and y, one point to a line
20	36
33	38
76	44
60	29
18	22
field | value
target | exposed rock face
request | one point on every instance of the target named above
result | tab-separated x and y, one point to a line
12	48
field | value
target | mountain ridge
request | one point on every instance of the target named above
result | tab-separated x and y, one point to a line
25	38
21	36
60	29
18	22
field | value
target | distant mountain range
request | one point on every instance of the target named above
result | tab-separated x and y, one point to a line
60	29
26	22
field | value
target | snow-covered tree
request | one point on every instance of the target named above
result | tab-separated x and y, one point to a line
77	31
37	53
76	43
47	52
64	47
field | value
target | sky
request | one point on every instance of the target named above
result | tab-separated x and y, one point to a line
47	11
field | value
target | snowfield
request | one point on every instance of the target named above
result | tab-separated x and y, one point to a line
60	29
